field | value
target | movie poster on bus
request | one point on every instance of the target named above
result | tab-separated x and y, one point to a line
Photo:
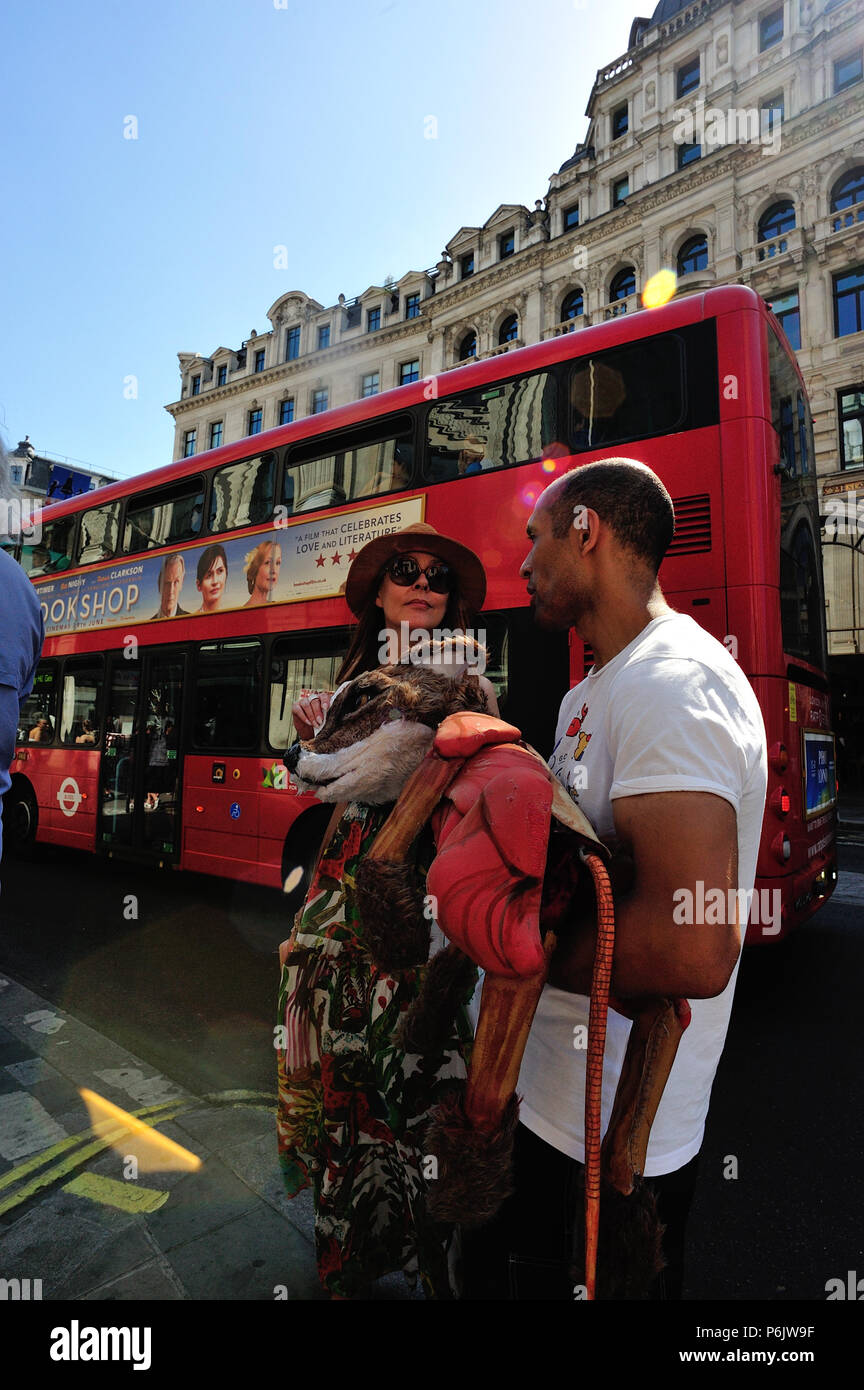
283	564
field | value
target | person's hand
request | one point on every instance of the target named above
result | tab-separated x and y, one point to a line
309	713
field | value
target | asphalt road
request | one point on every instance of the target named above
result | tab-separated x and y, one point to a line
189	986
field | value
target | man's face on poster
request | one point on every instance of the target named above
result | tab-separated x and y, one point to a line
172	583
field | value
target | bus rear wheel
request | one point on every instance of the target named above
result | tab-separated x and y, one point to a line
20	819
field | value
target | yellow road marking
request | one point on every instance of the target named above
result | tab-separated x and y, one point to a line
75	1151
125	1196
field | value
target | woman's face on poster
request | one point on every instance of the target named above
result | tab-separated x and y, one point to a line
212	586
268	570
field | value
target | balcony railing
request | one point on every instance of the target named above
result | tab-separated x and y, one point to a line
567	326
766	252
617	307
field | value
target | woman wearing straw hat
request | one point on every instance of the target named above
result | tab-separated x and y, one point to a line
352	1103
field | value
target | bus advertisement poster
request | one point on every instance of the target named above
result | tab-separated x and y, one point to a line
285	564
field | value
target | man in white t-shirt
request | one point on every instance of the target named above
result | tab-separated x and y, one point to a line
662	746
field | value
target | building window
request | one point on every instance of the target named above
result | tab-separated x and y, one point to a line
847	71
373	320
620	122
773	226
620	192
693	255
847	197
687	154
259	359
573	306
773	112
787	312
506	245
687	77
255	418
189	443
412	306
222	374
371	384
409	371
849	302
770	29
319	400
286	411
292	344
196	386
467	347
466	265
571	217
509	330
216	435
622	286
850	410
323	336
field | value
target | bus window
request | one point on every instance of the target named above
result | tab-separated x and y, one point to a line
242	493
627	392
164	517
79	710
38	716
294	670
54	551
492	427
801	609
100	531
226	696
365	463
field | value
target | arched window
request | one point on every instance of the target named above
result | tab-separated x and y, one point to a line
623	285
573	306
773	225
693	255
467	347
509	329
847	197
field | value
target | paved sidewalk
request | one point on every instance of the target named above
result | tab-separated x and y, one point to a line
70	1218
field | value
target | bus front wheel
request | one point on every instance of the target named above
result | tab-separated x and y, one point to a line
20	818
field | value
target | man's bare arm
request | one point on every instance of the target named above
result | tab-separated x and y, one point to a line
676	839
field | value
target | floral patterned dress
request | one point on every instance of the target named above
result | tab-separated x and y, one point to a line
352	1105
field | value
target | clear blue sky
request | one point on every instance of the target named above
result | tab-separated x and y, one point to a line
257	126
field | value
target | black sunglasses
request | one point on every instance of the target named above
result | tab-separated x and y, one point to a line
404	571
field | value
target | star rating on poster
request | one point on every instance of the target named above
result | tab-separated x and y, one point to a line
320	561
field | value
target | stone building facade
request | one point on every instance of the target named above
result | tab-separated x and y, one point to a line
726	144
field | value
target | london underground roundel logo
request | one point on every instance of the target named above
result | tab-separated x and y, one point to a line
69	796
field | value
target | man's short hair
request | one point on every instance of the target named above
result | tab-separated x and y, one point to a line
176	559
629	497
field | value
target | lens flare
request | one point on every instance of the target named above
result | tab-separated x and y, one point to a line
549	465
127	1135
530	493
659	289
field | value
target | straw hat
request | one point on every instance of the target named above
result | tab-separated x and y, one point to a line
364	575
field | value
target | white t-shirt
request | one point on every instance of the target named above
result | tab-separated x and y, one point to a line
671	712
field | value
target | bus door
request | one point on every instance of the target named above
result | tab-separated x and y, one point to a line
141	767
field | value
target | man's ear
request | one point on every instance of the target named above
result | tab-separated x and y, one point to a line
585	528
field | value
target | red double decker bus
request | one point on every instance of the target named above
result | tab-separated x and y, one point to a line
186	610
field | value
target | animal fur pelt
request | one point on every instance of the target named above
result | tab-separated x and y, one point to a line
450	978
630	1254
390	903
475	1169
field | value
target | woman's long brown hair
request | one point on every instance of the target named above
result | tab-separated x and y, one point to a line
363	653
